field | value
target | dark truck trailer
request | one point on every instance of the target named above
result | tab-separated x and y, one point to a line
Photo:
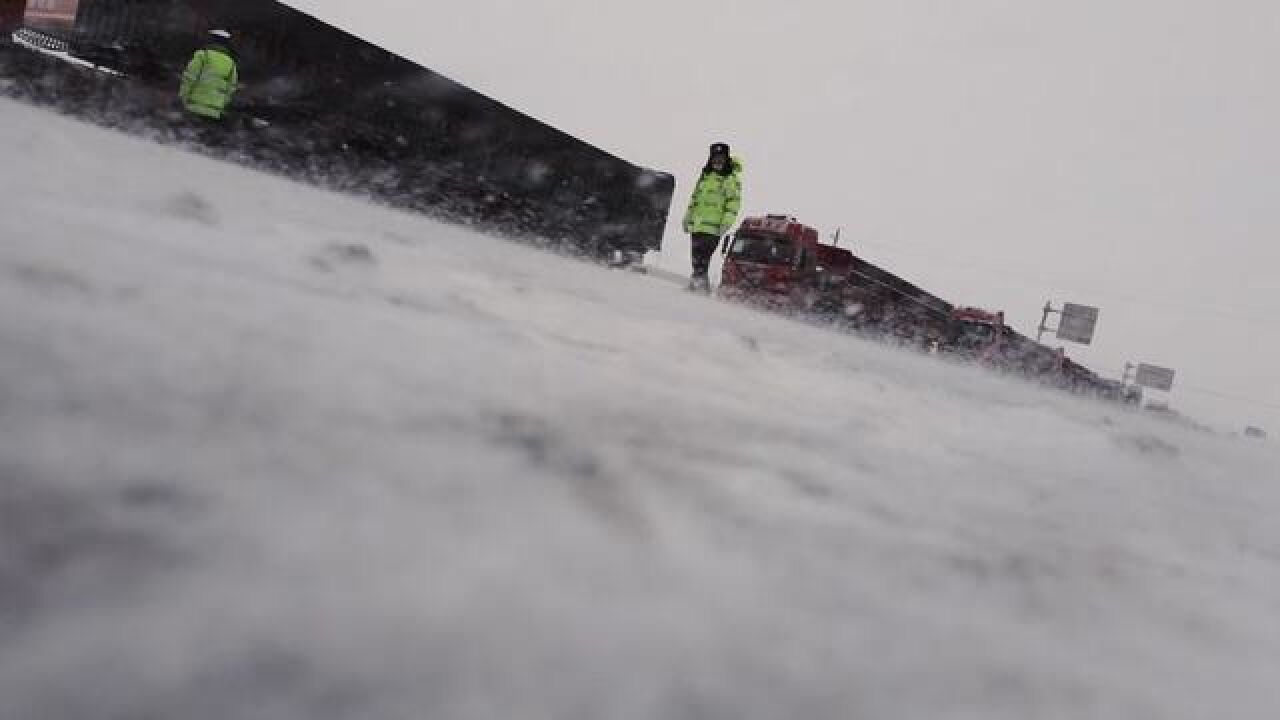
324	105
889	305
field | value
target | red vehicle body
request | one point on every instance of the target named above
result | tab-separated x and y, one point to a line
53	15
774	261
11	13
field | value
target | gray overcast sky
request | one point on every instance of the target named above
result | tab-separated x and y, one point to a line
1119	153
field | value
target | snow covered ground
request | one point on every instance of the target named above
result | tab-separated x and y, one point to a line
267	452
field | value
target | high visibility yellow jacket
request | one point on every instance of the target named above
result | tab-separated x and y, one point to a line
716	201
209	82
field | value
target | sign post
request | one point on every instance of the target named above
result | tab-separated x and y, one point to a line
1076	325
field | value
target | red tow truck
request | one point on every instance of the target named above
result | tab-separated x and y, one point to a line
776	262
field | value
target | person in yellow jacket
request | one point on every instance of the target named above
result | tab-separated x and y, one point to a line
713	208
210	80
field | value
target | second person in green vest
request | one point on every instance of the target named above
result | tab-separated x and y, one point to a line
713	209
211	78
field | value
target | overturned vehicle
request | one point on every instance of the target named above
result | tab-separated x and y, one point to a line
322	105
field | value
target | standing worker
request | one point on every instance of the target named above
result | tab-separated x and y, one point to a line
713	209
211	78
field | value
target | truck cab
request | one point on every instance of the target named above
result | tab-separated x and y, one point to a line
983	336
975	334
775	261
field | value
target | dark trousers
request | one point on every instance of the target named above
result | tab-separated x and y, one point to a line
702	247
196	129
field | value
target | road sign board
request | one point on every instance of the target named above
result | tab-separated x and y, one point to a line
1154	377
1078	323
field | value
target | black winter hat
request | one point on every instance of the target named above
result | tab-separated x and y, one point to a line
720	149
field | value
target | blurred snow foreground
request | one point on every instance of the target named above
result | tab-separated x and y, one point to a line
271	453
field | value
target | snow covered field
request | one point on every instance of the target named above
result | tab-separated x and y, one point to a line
271	453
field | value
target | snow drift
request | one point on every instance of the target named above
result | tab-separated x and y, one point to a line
267	452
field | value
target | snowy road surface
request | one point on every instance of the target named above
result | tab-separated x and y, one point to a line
267	452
